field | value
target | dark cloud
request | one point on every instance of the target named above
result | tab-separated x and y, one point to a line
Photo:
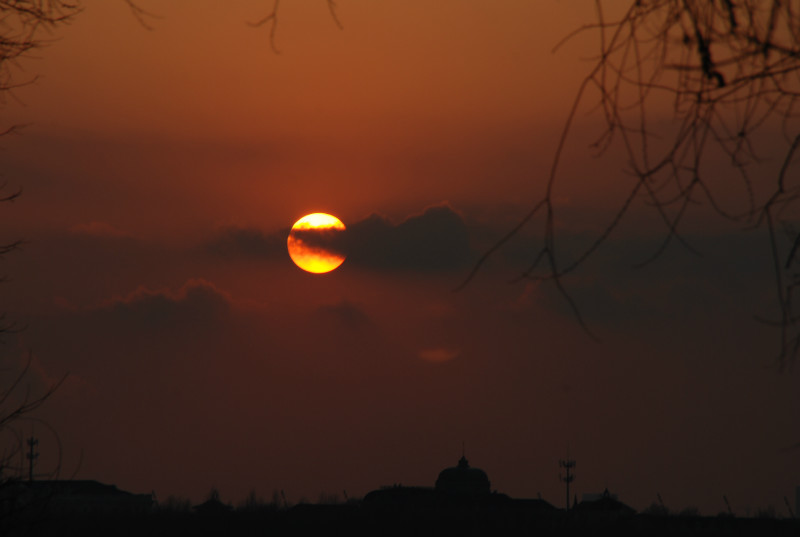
436	240
248	242
124	341
324	241
197	300
729	278
233	242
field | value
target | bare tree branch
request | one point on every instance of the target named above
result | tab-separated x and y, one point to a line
271	19
332	9
732	70
141	15
22	22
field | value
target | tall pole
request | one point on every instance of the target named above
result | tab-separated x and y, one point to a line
31	455
568	465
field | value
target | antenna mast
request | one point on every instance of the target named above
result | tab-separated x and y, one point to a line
568	465
32	455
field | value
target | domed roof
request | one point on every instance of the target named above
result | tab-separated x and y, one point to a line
462	479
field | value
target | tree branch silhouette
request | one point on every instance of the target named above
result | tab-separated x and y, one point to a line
731	70
141	15
20	33
271	20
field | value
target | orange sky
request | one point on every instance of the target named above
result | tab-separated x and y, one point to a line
162	170
340	118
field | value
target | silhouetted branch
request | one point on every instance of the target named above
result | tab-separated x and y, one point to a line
271	19
332	9
20	25
732	69
141	15
17	406
27	404
498	244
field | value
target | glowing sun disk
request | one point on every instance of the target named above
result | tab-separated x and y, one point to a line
316	258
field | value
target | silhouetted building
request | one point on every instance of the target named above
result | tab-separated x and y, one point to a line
62	497
594	496
462	479
460	503
607	505
213	505
456	486
458	483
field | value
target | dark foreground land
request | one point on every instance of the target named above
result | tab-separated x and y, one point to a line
359	519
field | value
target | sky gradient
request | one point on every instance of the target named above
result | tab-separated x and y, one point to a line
161	171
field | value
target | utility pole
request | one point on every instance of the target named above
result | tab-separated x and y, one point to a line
32	455
568	465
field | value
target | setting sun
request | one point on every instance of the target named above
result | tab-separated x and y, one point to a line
311	243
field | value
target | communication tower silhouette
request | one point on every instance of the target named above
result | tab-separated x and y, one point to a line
32	455
568	464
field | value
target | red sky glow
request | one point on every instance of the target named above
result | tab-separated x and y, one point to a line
162	171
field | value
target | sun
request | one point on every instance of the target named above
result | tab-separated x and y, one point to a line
313	244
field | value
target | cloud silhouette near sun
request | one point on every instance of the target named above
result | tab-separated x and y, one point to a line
433	241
